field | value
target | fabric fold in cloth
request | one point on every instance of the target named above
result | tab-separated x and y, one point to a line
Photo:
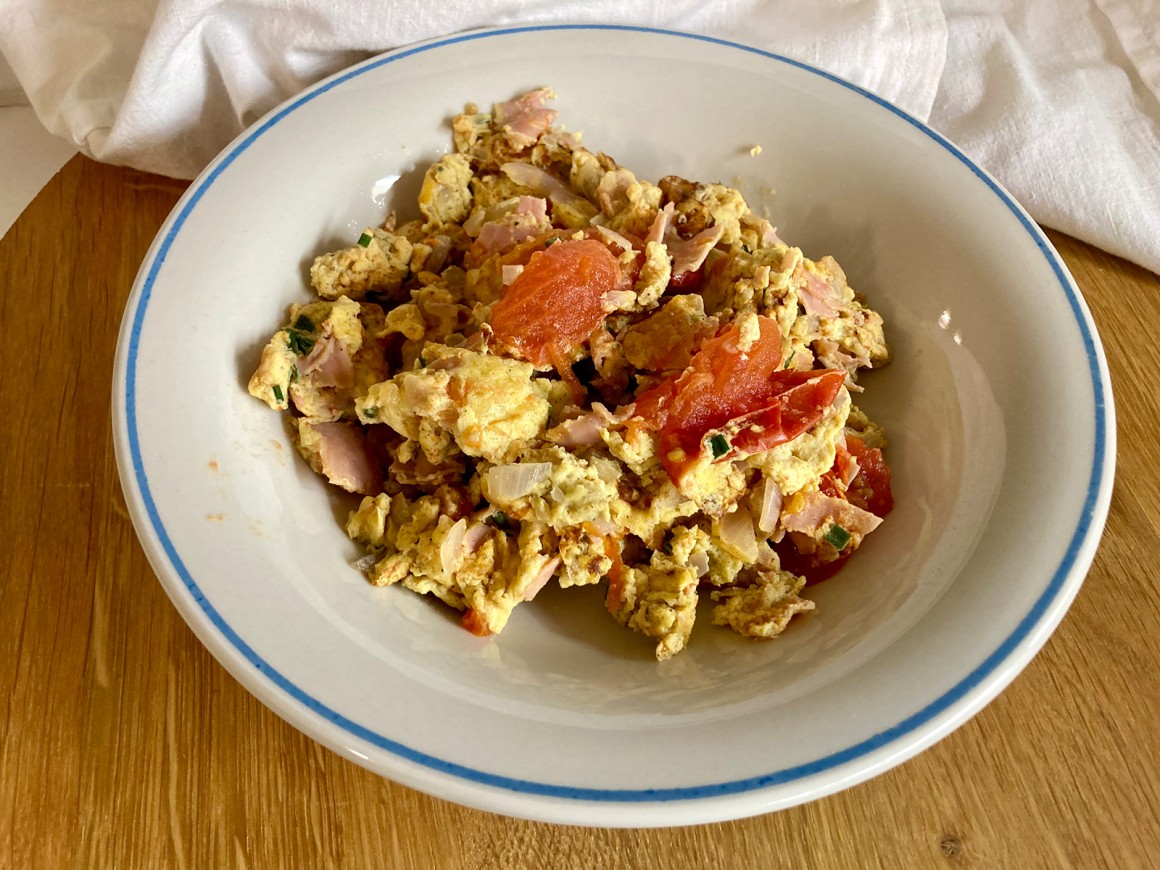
1059	100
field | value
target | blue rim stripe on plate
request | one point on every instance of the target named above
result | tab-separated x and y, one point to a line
879	740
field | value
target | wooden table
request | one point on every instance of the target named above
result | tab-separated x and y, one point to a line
124	744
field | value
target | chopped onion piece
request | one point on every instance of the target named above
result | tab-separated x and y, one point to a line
481	215
451	550
615	237
767	557
605	527
699	561
475	222
770	506
505	483
510	273
617	300
736	532
539	181
365	563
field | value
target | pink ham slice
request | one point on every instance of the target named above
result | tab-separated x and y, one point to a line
688	255
769	235
660	224
820	508
498	237
328	364
833	357
530	218
525	118
542	577
476	534
585	431
533	206
345	460
817	295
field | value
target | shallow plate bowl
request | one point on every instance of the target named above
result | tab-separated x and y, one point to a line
997	404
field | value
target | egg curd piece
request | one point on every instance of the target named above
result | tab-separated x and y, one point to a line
489	405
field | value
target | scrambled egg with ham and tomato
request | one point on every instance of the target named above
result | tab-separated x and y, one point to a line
562	373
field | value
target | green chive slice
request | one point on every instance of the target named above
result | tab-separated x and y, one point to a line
304	323
720	446
298	342
369	413
500	520
837	537
364	240
278	393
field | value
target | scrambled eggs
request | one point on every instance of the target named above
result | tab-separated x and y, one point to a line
565	374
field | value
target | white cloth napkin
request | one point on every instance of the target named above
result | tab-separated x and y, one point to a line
1063	106
1060	100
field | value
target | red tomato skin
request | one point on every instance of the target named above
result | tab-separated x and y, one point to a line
870	488
747	393
688	282
556	301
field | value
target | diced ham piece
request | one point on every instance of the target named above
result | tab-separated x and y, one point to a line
660	224
688	255
328	364
475	535
817	295
544	184
833	357
500	236
585	431
533	206
525	118
564	139
769	235
581	432
345	459
542	577
819	508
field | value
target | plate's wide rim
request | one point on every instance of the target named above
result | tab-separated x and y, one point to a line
556	802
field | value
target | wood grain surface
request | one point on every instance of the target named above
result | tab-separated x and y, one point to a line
124	744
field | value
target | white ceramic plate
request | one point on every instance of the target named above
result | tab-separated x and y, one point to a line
997	402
